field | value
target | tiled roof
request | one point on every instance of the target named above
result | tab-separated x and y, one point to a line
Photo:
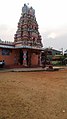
6	46
15	47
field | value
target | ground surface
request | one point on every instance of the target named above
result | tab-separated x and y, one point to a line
33	95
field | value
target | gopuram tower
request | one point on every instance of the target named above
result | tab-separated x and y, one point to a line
28	39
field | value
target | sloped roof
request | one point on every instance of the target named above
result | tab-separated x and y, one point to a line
18	47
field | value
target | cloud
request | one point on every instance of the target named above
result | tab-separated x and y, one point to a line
7	32
52	35
56	39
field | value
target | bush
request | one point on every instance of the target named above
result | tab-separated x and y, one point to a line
56	63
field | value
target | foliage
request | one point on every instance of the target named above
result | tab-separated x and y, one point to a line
56	63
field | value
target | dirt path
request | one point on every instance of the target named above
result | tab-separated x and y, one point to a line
33	95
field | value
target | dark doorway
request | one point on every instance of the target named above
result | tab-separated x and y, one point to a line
21	57
27	57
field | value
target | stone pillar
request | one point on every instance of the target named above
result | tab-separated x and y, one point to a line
24	58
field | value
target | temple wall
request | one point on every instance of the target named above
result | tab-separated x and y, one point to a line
8	57
34	60
28	57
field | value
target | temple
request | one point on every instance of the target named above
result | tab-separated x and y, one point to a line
26	49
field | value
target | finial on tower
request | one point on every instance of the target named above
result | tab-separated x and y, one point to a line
28	4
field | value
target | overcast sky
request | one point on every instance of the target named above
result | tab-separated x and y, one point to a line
51	16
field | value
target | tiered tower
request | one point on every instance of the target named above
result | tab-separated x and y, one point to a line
27	33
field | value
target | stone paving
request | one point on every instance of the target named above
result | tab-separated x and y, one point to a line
31	69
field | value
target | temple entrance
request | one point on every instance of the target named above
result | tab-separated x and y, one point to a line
23	57
29	58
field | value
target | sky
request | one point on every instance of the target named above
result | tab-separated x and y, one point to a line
51	16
